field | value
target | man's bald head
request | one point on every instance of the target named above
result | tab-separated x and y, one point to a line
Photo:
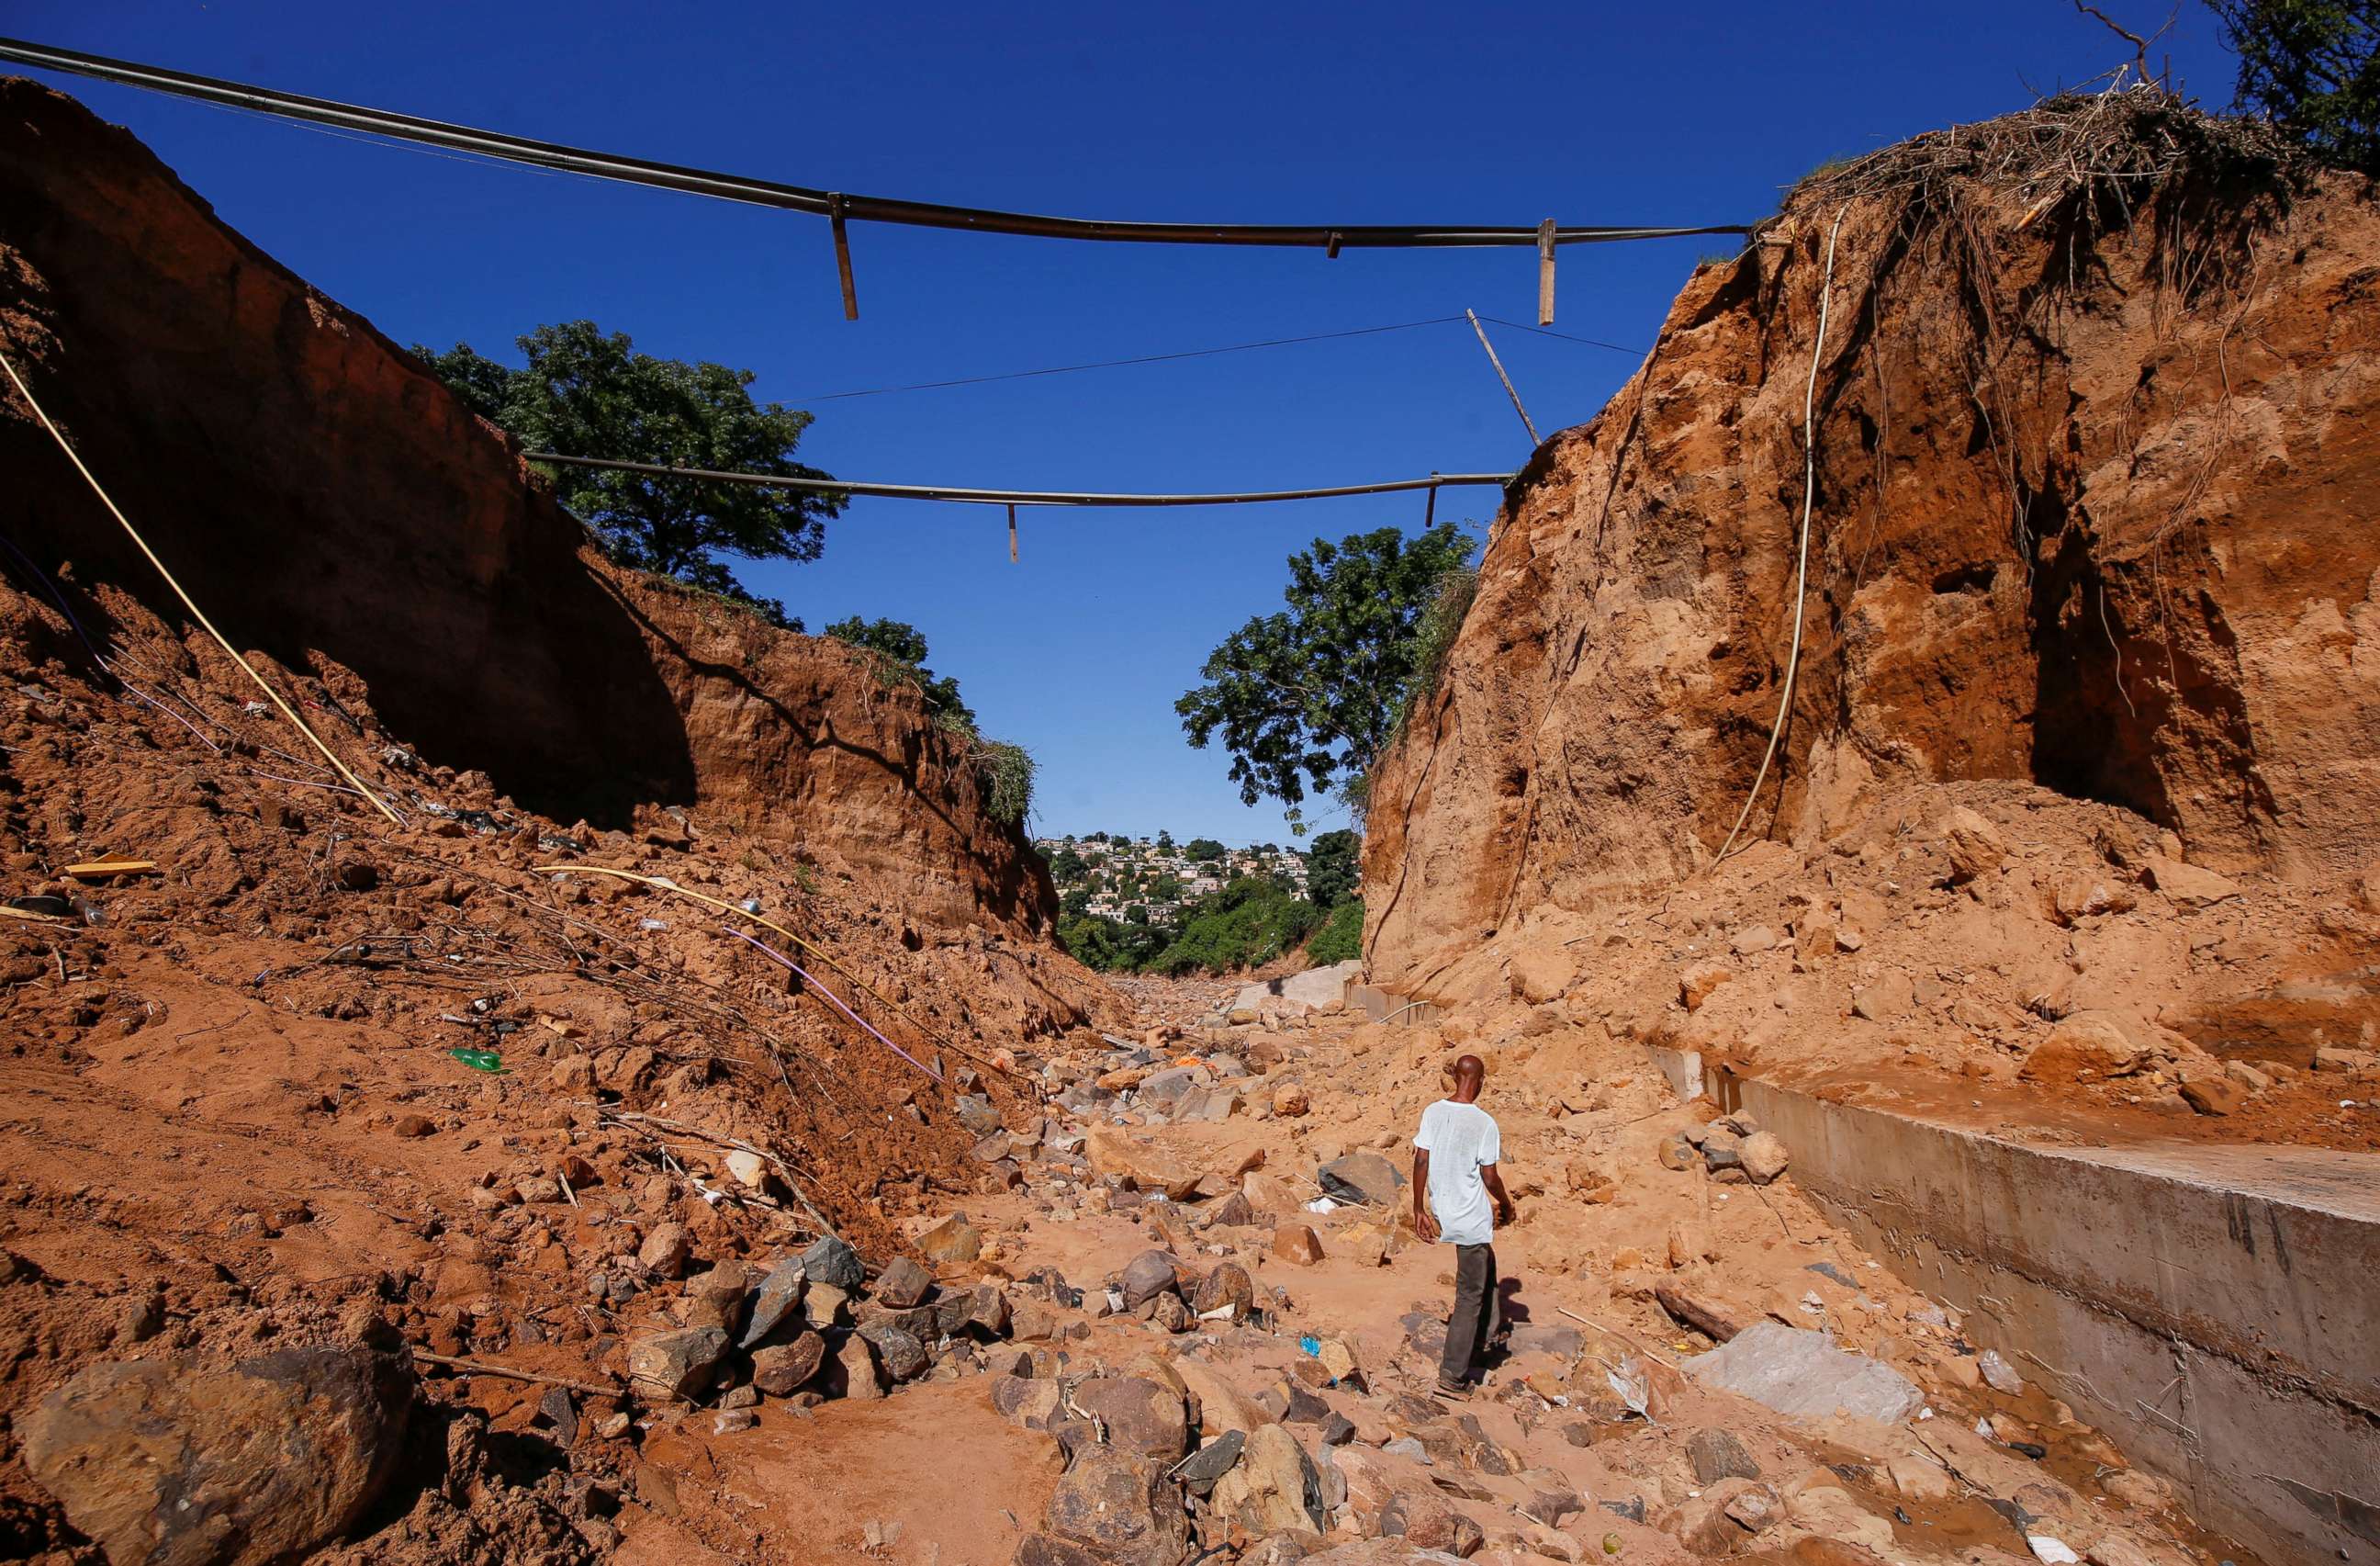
1468	1071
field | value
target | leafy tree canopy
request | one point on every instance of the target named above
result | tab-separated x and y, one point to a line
584	393
1203	848
903	648
2314	67
1247	923
1331	871
1308	696
1342	936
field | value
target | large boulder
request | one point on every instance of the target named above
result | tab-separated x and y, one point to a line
1111	1153
833	1263
1145	1277
1118	1505
1362	1177
1273	1487
677	1363
162	1462
1139	1415
1804	1376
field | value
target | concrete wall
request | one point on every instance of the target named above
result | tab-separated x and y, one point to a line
2216	1310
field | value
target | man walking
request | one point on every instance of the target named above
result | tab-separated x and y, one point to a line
1454	1162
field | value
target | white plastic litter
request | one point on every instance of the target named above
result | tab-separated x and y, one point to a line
2054	1552
1322	1204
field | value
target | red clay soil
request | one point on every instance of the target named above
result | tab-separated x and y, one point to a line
232	1112
2090	555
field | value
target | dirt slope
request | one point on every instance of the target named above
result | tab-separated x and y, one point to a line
318	490
233	1122
2092	481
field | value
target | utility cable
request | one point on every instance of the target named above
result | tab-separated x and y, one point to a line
190	604
1013	497
1802	570
1330	238
1141	358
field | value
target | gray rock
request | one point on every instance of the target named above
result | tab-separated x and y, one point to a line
1804	1376
1716	1454
1116	1504
773	1302
1145	1277
974	1112
1314	987
835	1264
902	1355
676	1364
1230	1285
162	1463
1202	1468
903	1284
1362	1177
781	1369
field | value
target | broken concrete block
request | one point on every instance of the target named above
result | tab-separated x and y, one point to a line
1804	1376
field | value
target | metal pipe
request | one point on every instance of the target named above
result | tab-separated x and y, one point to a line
800	197
1013	496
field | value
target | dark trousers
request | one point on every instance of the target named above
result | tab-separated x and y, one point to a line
1476	1311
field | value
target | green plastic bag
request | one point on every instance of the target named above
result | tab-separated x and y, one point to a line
480	1060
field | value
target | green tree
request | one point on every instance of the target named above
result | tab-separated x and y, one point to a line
1342	936
2314	67
903	648
584	393
1306	697
1073	903
1247	923
1203	848
1164	841
1067	866
1331	871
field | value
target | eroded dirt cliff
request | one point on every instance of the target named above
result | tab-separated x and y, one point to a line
329	502
2094	465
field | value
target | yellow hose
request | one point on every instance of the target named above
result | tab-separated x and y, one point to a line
286	711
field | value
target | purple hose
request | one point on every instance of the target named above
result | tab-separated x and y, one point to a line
831	999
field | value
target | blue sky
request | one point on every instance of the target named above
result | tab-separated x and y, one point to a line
1392	113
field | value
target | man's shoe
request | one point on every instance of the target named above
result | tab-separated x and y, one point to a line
1449	1391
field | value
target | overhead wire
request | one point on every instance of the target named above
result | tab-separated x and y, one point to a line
1200	353
841	207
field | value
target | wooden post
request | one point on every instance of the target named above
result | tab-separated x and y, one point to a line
1533	440
1012	533
1545	272
842	256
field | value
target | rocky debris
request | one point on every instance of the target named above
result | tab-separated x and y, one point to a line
831	1262
1145	1166
1117	1504
2188	886
1696	984
1297	1242
1974	844
1134	1413
1198	1471
1804	1376
665	1250
855	1365
1145	1277
1364	1177
1273	1487
1763	1156
953	1240
161	1460
678	1364
903	1284
899	1352
1718	1454
782	1370
1227	1288
2084	1046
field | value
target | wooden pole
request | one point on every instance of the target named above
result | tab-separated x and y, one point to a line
843	257
1534	439
1545	272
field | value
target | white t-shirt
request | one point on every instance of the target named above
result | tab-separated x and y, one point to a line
1460	1140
